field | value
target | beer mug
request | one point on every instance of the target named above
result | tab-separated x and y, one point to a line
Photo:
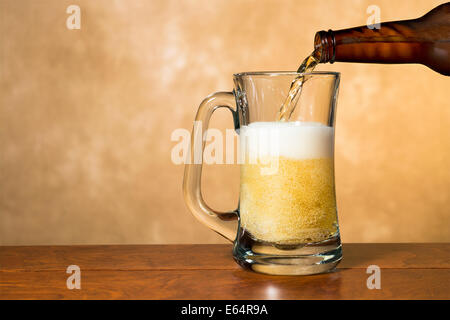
286	220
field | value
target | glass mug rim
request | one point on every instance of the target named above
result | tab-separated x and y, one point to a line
285	73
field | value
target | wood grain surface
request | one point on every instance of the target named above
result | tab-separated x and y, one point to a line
408	271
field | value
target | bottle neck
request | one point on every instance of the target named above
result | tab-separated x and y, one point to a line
325	46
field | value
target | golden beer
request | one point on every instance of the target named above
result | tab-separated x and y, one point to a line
287	182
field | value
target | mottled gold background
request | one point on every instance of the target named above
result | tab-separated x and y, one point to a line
86	118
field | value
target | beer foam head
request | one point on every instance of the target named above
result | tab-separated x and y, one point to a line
297	140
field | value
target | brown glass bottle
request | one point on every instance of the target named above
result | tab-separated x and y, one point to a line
425	40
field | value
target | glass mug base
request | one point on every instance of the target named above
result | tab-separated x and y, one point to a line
300	259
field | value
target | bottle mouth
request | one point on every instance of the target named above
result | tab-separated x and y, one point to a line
324	46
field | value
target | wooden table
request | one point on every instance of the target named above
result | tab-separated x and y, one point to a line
408	271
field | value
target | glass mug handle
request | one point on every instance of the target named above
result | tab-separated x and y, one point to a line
221	222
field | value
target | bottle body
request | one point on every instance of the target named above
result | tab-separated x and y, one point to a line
425	40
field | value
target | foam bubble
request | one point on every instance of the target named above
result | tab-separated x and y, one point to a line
296	140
